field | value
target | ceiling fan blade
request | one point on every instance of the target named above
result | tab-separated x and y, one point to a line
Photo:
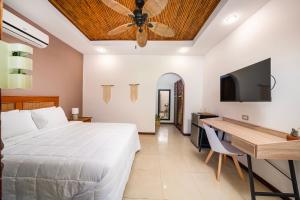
154	7
142	37
161	29
120	29
118	7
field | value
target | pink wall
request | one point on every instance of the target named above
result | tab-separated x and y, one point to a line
57	71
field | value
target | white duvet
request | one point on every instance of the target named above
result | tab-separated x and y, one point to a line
78	161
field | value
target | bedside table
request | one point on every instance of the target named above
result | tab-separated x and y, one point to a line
83	119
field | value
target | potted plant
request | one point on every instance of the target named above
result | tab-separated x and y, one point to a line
294	135
157	120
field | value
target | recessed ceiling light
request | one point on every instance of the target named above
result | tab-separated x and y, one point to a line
183	50
101	50
231	18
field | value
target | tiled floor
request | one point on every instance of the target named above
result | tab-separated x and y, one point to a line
170	167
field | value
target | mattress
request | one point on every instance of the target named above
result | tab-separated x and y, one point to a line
78	161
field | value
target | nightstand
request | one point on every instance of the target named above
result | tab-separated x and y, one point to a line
83	119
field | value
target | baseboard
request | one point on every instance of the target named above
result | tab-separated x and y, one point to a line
264	182
147	133
185	134
166	122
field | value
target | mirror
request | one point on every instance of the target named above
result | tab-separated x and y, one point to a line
164	99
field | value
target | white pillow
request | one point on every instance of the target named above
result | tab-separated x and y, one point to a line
16	123
48	118
39	116
59	117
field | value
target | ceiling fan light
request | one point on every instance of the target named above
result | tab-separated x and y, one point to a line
141	38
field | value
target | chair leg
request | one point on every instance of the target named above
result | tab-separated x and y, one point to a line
237	166
219	167
211	152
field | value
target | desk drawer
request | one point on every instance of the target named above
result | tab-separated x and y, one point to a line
243	146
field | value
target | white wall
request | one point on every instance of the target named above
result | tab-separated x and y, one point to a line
145	70
167	81
274	31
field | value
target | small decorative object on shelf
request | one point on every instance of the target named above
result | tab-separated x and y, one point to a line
75	113
295	135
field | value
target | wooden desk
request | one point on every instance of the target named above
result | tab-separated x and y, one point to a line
257	143
260	143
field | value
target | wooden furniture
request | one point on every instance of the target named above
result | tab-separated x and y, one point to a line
224	149
179	104
28	102
83	119
258	142
261	143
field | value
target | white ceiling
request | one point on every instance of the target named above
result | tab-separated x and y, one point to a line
45	15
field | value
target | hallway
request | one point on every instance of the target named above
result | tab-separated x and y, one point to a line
170	167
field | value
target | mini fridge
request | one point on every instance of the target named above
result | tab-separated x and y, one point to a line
198	135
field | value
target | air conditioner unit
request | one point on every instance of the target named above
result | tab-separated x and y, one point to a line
20	29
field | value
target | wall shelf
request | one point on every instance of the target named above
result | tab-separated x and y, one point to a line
15	65
18	62
19	81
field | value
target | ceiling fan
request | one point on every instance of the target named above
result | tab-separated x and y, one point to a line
141	19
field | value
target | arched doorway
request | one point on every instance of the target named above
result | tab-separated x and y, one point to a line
170	100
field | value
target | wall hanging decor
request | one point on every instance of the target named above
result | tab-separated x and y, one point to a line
106	95
134	92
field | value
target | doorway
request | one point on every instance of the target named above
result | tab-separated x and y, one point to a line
170	100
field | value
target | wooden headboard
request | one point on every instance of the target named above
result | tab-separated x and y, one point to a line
28	102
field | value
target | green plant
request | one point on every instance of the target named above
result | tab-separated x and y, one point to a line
157	118
295	133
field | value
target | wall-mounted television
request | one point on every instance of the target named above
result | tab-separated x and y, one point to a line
249	84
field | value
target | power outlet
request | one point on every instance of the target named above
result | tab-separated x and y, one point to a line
245	117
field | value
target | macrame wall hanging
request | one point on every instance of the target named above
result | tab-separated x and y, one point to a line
133	92
106	95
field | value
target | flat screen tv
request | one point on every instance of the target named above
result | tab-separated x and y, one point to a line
249	84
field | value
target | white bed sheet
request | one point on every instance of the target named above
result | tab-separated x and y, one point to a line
78	161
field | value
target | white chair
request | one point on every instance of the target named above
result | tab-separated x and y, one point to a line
224	148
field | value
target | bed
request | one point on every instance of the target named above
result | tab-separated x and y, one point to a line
76	160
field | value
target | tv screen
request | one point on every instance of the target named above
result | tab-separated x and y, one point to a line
249	84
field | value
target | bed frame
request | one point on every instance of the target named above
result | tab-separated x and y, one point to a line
28	102
8	103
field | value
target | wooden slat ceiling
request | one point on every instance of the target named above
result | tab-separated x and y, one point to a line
94	19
